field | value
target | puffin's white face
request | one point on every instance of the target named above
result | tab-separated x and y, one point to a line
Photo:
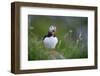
52	28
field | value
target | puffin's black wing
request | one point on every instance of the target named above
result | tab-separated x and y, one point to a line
44	37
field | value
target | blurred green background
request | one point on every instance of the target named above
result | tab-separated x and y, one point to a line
71	33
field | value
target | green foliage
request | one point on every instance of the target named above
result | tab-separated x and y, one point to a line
70	45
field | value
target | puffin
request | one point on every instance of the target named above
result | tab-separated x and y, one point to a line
50	40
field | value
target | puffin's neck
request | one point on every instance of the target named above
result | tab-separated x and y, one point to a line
50	34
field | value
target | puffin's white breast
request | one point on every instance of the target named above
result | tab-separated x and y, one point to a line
50	42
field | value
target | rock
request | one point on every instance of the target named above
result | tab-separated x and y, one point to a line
55	55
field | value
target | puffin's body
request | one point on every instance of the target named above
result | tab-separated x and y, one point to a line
50	40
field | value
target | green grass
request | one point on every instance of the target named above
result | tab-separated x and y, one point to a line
68	46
